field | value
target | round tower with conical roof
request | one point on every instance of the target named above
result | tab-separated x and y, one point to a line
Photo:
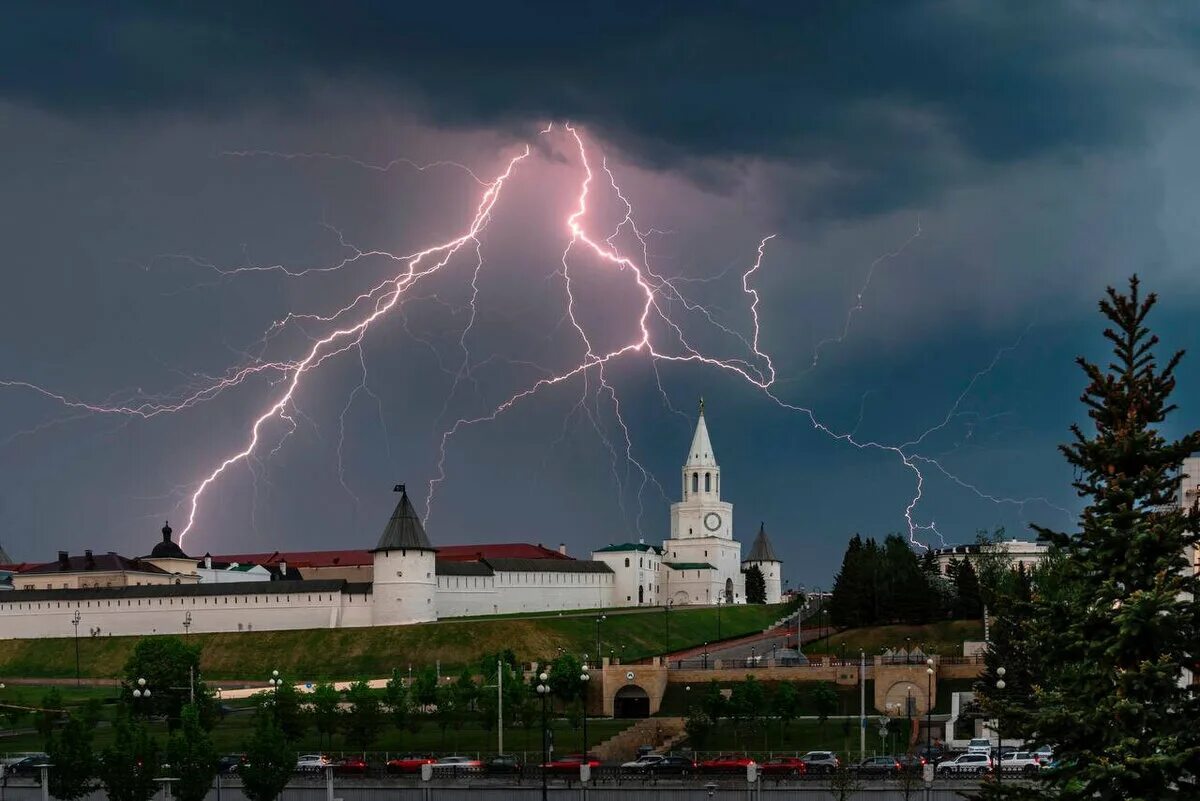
762	555
405	577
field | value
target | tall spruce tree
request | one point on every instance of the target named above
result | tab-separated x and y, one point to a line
846	600
1111	627
756	586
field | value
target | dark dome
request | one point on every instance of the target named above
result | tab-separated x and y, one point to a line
167	549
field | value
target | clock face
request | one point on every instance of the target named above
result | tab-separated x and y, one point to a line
712	521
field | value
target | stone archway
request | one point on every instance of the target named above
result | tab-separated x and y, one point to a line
728	590
631	701
681	598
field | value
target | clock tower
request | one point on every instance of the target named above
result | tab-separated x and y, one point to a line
701	512
702	559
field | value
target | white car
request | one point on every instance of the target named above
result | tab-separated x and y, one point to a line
311	762
1023	762
972	764
1044	754
980	745
642	763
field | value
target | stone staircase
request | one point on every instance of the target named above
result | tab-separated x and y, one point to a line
659	733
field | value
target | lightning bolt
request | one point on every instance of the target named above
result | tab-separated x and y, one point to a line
657	335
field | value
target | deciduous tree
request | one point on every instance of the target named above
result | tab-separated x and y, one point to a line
192	757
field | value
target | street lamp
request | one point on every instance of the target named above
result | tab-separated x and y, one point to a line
275	681
141	690
543	690
584	677
929	708
599	620
706	656
667	623
1000	685
187	624
720	598
75	620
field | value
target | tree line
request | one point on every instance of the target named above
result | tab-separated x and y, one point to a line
751	708
284	719
887	583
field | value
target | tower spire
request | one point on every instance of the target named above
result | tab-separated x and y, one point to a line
701	453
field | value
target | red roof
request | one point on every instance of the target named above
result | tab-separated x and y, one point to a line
499	550
445	553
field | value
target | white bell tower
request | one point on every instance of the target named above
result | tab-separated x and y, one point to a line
701	512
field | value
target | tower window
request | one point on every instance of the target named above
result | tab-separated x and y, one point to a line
708	482
695	482
626	561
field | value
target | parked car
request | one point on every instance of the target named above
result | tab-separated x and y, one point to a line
931	753
980	745
351	766
784	766
642	763
1024	762
570	763
455	765
27	766
230	763
1044	754
309	763
18	756
821	762
976	764
408	763
502	764
672	766
911	763
878	766
726	763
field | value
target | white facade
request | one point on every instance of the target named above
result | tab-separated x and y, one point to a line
700	563
702	533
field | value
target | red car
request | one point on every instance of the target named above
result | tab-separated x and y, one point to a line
784	766
570	764
351	766
409	763
726	763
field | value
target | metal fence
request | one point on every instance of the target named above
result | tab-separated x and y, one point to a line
696	790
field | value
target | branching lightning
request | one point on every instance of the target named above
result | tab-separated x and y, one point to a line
657	336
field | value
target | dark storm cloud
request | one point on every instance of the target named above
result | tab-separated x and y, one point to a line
918	95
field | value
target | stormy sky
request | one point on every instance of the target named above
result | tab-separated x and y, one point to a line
950	186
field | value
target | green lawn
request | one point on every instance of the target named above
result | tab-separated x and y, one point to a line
315	654
944	638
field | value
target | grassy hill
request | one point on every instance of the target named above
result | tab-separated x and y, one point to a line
944	638
312	654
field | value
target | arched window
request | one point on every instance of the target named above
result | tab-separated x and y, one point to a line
626	561
695	482
708	482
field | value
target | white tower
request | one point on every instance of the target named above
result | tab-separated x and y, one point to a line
762	556
405	580
702	558
701	513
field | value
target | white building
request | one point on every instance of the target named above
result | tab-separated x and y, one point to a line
404	578
701	562
1019	552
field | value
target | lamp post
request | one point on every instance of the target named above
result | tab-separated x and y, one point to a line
141	691
584	677
706	656
600	619
667	624
543	690
720	598
275	681
1000	671
166	782
75	620
187	624
929	708
843	652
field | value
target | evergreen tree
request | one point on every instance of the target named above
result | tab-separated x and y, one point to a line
192	757
50	713
937	588
968	602
872	597
1123	603
270	760
284	701
908	589
846	600
70	752
756	586
127	767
